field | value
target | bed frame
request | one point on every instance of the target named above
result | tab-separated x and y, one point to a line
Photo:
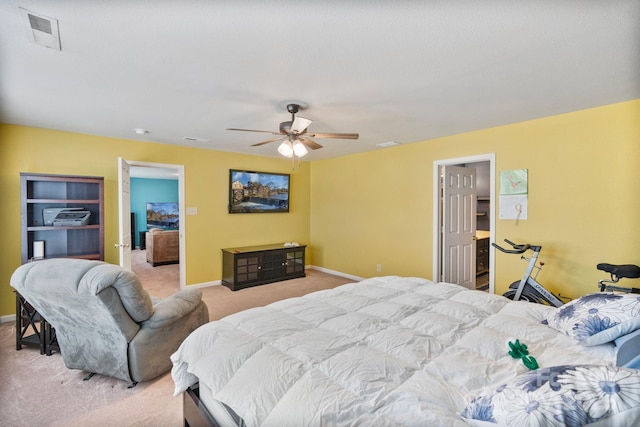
193	410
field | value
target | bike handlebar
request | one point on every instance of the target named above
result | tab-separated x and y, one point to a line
517	249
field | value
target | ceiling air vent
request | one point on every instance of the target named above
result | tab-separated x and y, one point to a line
41	29
387	144
193	139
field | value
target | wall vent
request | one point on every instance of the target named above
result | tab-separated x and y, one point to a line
41	29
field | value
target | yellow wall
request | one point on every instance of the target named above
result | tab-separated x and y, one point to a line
25	149
584	181
376	208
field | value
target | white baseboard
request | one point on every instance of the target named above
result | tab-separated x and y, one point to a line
204	284
8	318
336	273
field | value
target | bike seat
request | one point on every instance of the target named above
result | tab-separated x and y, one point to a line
628	271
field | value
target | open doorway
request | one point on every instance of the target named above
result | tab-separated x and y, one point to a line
484	218
134	222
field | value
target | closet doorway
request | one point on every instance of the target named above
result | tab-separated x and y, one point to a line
484	213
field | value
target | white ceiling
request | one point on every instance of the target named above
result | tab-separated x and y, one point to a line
401	71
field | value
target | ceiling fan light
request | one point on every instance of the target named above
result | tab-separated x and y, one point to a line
300	124
286	149
299	149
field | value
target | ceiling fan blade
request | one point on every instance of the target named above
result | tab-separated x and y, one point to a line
300	124
253	130
334	135
266	142
310	144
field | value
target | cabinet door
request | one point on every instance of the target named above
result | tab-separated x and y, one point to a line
247	268
482	255
272	264
295	261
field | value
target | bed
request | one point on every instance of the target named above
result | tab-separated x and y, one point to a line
404	351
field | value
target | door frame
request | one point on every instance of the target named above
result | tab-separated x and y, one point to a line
179	169
437	239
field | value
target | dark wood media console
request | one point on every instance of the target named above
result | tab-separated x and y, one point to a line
257	265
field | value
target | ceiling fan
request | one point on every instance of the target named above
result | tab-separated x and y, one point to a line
295	136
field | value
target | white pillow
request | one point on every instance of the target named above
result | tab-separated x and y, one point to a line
561	395
597	318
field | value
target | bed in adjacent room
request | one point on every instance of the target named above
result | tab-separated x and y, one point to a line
403	351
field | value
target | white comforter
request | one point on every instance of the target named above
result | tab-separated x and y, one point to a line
384	351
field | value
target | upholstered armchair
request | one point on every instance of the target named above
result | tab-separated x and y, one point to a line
105	322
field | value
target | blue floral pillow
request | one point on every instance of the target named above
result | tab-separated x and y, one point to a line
598	318
561	395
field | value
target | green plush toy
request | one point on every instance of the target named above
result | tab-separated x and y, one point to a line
519	351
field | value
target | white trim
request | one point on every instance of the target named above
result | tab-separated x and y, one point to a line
205	284
336	273
491	158
8	318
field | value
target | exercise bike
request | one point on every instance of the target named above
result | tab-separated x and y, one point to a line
528	288
617	272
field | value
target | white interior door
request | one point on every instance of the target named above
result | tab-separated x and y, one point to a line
459	225
124	211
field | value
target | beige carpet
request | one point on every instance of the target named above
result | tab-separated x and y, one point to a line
38	390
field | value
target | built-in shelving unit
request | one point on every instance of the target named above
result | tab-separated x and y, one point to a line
40	192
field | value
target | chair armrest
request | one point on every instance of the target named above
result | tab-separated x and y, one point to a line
173	308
